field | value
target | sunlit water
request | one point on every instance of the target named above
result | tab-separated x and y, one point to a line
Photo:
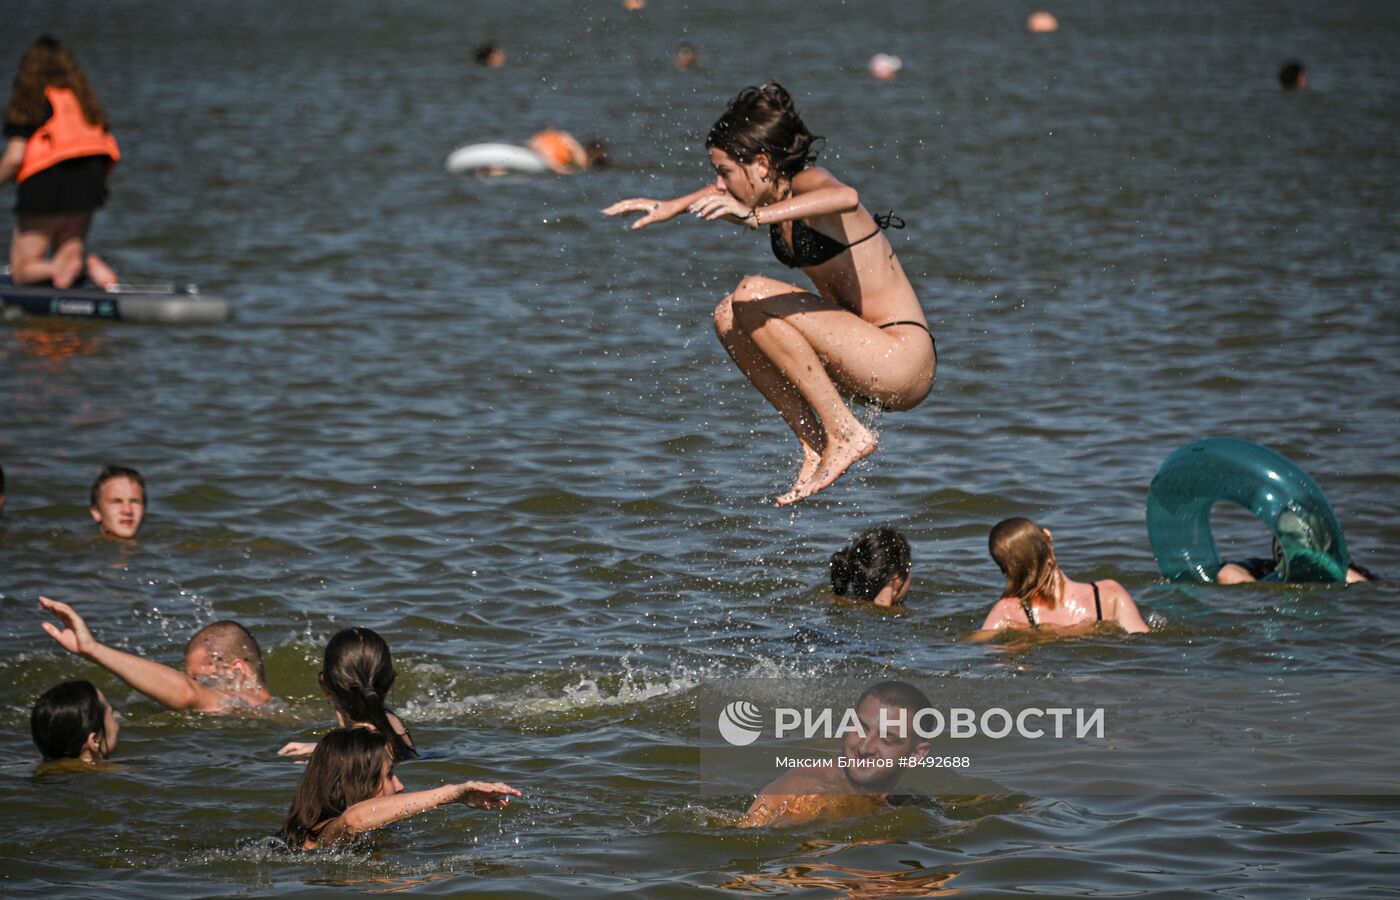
492	424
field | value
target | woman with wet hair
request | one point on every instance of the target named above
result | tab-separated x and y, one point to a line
58	149
1038	593
350	788
861	333
876	568
357	674
73	720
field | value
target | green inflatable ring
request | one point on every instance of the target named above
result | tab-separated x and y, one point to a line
1281	495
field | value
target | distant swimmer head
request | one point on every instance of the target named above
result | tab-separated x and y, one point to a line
490	55
73	720
761	128
877	567
596	152
1025	553
1042	22
358	672
687	58
1293	76
884	66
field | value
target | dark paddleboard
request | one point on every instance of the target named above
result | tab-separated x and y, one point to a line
162	304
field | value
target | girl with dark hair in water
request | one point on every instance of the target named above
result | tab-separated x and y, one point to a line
861	333
877	568
350	788
73	720
357	674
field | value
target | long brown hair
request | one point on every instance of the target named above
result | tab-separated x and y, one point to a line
48	63
358	671
346	768
1026	557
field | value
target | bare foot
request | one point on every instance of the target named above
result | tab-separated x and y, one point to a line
64	275
811	459
101	273
841	453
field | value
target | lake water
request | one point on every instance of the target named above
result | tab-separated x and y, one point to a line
492	424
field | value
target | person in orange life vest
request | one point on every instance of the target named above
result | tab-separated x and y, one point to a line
59	151
563	153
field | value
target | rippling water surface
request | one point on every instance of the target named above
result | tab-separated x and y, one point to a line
492	424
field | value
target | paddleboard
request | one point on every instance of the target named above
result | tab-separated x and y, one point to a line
159	303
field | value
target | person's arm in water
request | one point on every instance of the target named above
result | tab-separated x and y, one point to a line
166	686
661	210
1125	611
12	158
815	192
377	812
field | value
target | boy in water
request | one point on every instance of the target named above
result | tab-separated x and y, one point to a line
117	501
223	665
805	795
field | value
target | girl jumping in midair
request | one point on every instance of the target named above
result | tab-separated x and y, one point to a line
861	334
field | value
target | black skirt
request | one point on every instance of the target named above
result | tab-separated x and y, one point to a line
73	186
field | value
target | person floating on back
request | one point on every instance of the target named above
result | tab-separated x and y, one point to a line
861	334
73	720
350	787
59	151
876	568
1039	595
223	665
357	674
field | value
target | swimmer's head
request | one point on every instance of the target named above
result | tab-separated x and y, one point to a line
226	653
357	674
73	720
1025	553
1293	77
490	55
762	122
894	703
596	152
686	58
877	559
117	501
348	766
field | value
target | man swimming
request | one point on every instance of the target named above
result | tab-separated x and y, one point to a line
863	786
223	665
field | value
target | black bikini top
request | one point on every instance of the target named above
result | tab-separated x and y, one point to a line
1098	609
812	248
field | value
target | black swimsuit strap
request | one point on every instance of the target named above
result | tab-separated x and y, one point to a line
1025	604
1098	610
888	220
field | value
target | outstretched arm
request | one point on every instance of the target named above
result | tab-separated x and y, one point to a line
815	192
377	812
169	688
665	210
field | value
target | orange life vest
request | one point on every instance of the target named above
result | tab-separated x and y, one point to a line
66	135
556	146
